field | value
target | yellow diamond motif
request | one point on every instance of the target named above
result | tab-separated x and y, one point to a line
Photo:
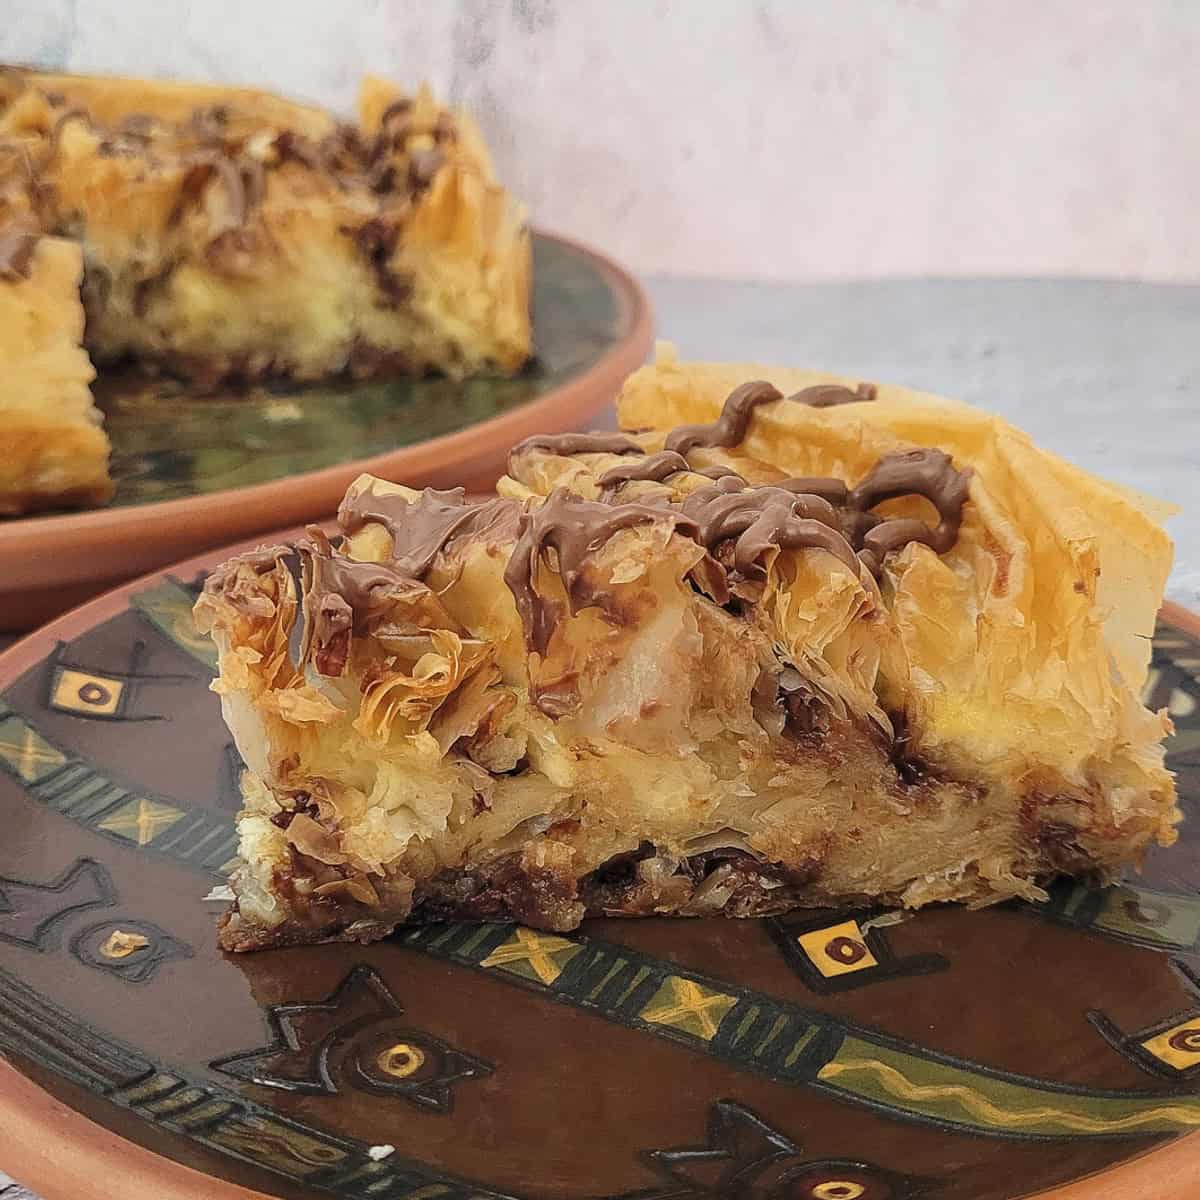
94	695
688	1006
537	956
837	949
27	752
1179	1046
141	820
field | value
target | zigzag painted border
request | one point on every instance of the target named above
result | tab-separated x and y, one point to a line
749	1029
795	1045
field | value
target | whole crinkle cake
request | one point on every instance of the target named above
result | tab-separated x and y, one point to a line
792	640
222	233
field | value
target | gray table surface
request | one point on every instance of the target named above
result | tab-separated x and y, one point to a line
1105	374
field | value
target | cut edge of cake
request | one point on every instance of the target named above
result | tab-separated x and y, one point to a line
772	677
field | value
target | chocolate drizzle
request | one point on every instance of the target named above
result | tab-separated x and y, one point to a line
377	239
204	163
295	147
653	467
17	247
739	527
829	395
575	443
422	529
828	502
72	114
928	473
658	468
764	518
730	428
834	491
229	580
342	597
573	529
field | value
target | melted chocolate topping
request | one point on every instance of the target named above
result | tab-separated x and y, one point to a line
928	473
763	518
730	428
262	559
567	444
254	180
17	246
424	528
653	467
72	114
219	164
227	583
829	395
719	473
573	529
658	468
295	146
832	490
738	525
397	108
342	596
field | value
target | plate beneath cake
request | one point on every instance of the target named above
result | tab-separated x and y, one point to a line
195	472
1050	1050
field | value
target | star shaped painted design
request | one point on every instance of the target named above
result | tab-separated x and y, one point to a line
31	914
745	1158
354	1039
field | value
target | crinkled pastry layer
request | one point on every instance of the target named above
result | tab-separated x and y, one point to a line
796	641
228	234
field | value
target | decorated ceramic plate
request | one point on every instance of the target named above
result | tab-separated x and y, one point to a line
1048	1050
194	472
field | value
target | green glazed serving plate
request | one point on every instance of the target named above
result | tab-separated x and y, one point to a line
194	472
1049	1050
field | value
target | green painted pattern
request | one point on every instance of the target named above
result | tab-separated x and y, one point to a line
170	443
757	1032
62	780
961	1095
749	1029
34	1027
167	605
1164	921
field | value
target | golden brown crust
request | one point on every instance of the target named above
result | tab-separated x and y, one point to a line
229	233
55	454
608	704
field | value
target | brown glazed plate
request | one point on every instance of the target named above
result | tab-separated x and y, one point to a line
1050	1050
194	472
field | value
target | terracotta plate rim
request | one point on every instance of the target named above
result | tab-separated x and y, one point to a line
58	1151
42	551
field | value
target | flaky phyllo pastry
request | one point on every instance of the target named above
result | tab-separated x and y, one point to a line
228	234
793	641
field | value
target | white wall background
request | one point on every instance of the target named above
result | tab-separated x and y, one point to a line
798	139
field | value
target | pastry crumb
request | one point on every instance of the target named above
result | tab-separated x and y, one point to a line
121	944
